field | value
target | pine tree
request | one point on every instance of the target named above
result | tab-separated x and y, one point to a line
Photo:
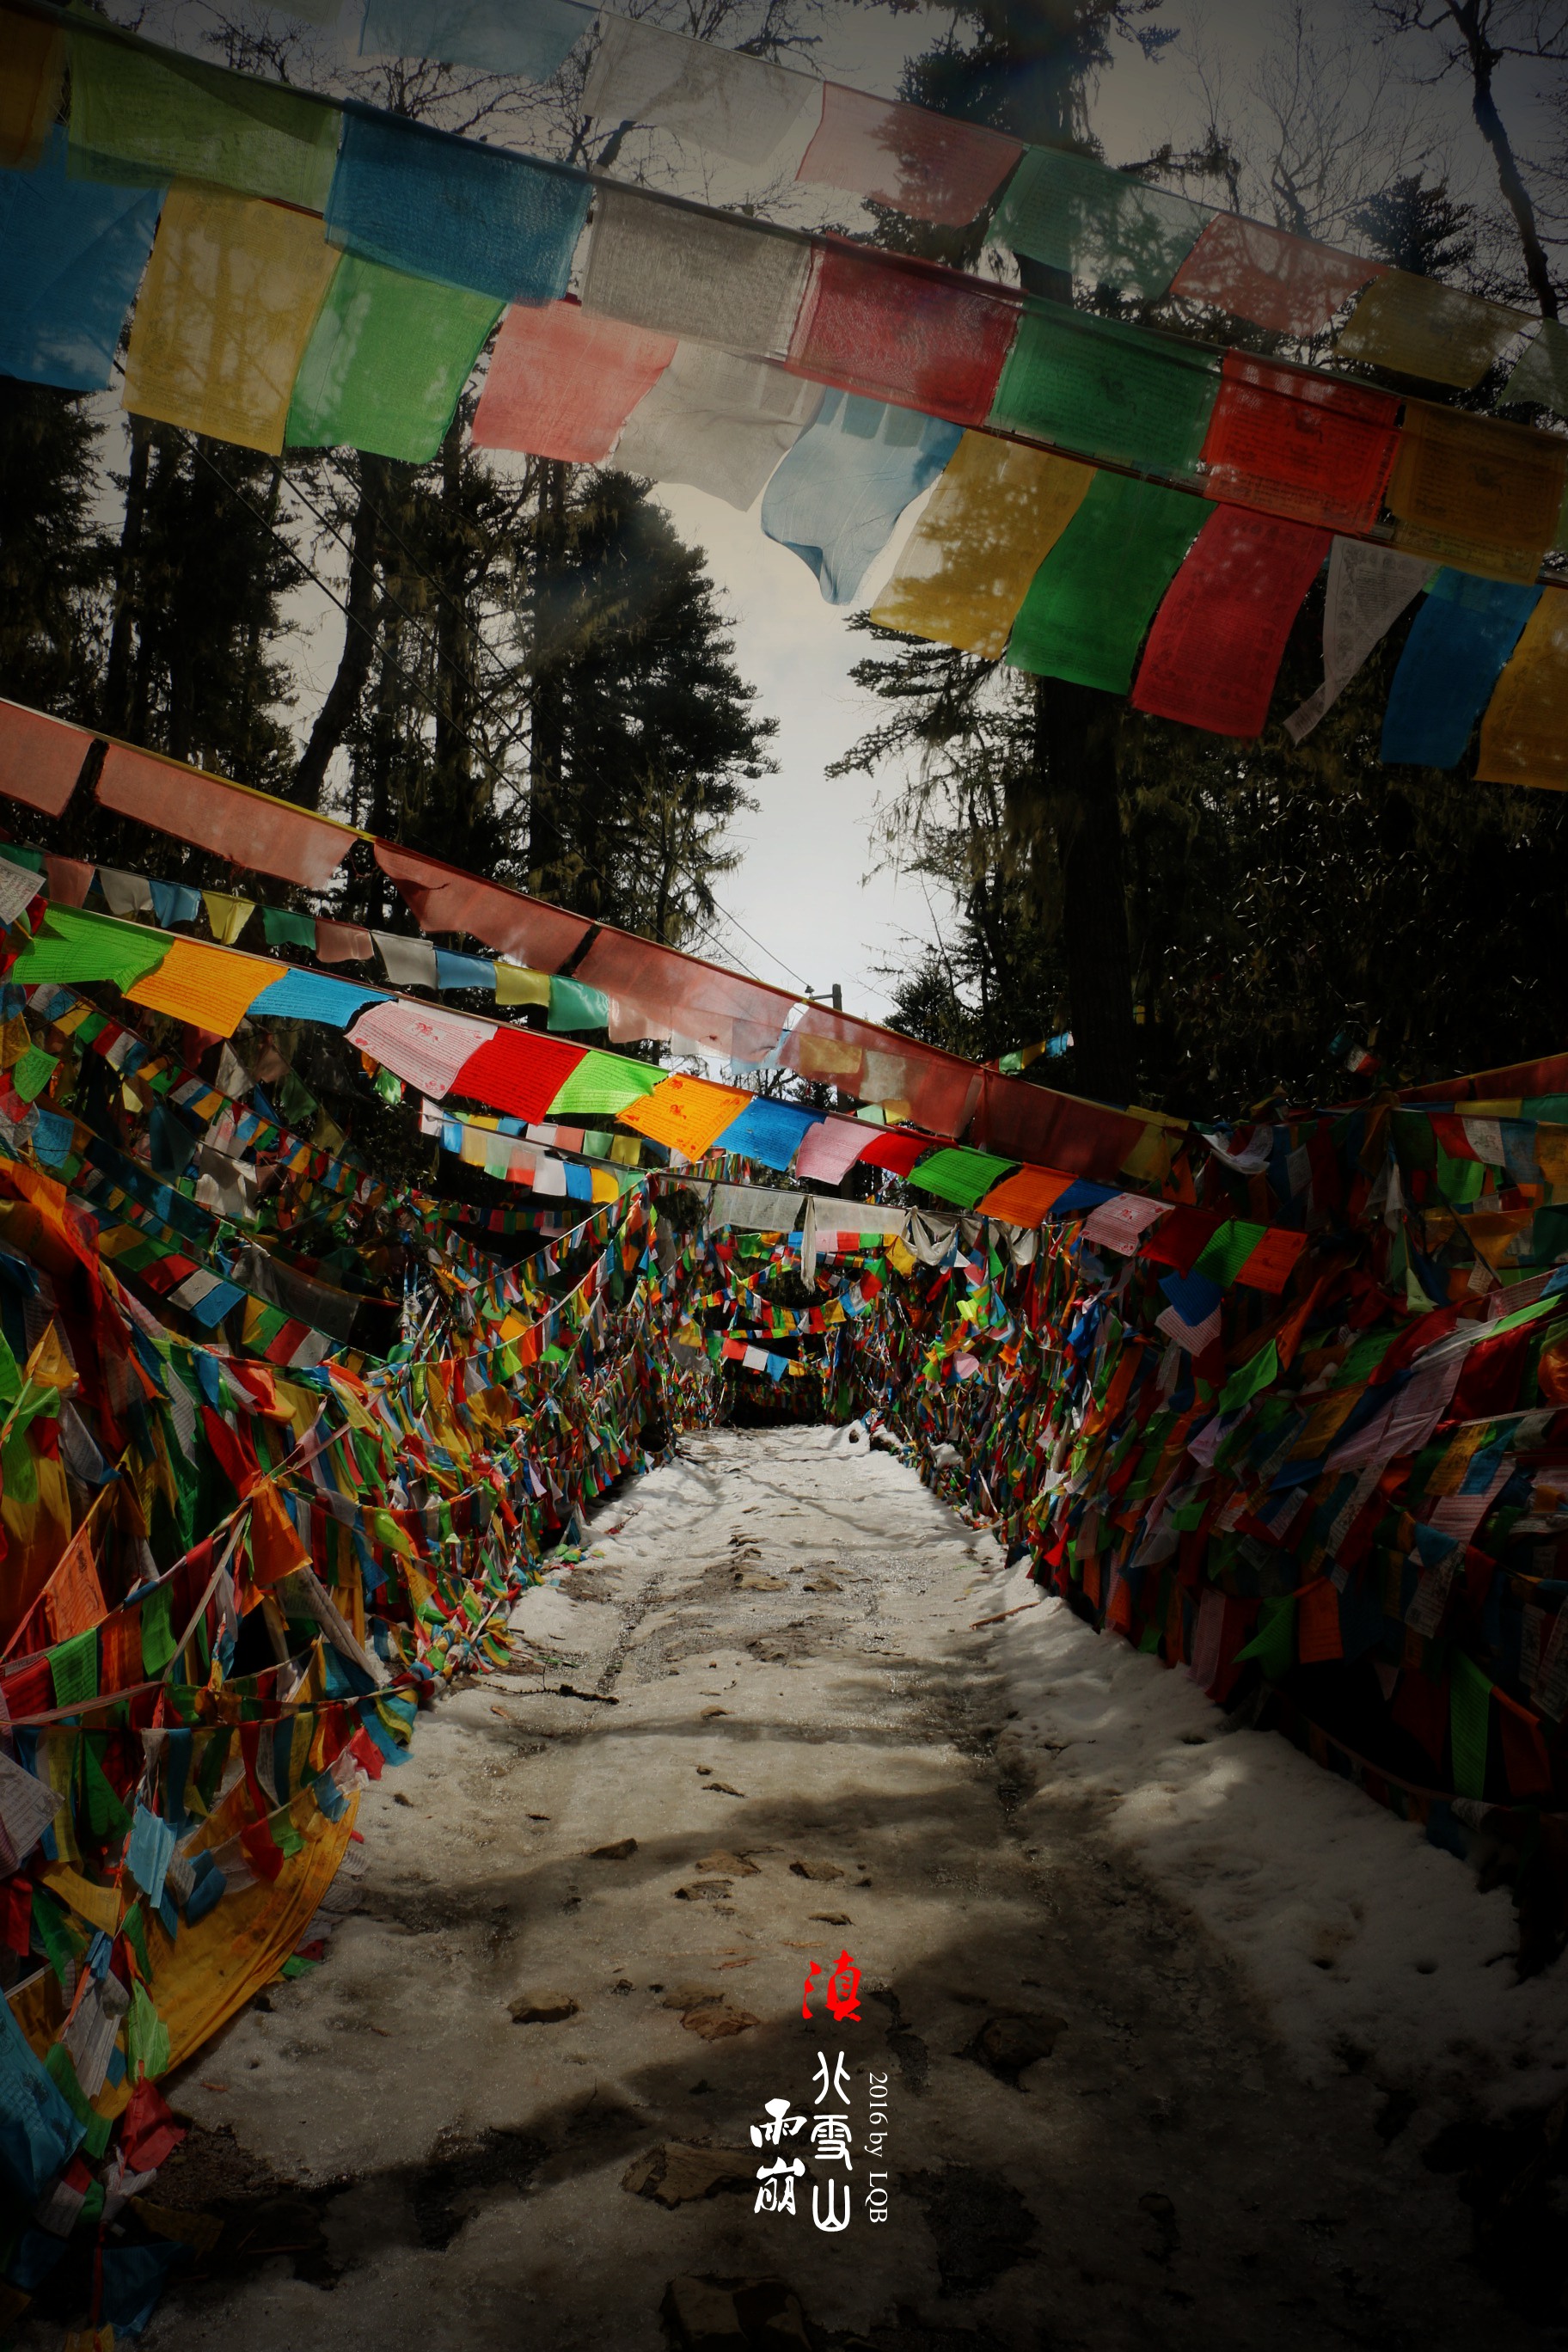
55	560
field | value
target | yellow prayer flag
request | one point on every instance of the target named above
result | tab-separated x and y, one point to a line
227	916
993	518
626	1151
1415	326
1474	492
206	986
1524	735
687	1114
227	305
32	66
517	984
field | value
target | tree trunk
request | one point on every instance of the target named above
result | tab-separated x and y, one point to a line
454	643
547	734
1076	731
344	696
1510	179
119	669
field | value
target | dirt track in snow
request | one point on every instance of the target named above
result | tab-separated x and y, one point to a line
1093	2136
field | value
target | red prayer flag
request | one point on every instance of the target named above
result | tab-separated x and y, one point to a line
444	898
897	1151
1288	283
1524	1751
1270	1265
1318	1634
1295	443
563	381
905	331
250	829
519	1072
40	758
932	167
1215	648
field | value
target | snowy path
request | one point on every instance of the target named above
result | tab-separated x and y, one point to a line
1097	2135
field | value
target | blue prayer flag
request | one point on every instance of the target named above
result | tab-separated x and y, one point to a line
71	256
772	1132
313	996
840	490
1454	656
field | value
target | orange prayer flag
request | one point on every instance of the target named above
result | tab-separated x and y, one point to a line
1269	1265
1475	493
206	986
687	1114
1318	1635
1025	1198
276	1551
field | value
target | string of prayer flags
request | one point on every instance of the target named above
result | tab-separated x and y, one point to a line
149	114
1368	589
723	101
693	275
203	985
1295	443
494	37
1474	492
1417	326
562	382
689	1114
1107	390
1091	602
1217	642
387	359
890	329
1102	227
250	829
718	421
32	70
839	492
230	296
422	201
1523	741
421	1044
73	253
997	513
930	167
444	898
1452	659
1289	284
1540	375
40	757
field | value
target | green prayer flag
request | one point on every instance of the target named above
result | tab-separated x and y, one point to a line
602	1084
1469	1721
146	2037
73	1669
32	1071
62	1940
1077	215
1098	389
959	1176
1259	1370
141	115
74	945
1274	1644
574	1005
60	2069
387	358
1227	1250
281	926
1093	597
157	1632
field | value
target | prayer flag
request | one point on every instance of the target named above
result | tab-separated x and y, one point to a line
32	66
654	263
444	898
40	757
1368	589
250	829
1289	284
718	421
1472	492
1417	326
518	1071
890	329
423	1045
601	1085
1540	372
562	381
1095	388
1100	225
530	38
1299	445
770	1131
1092	599
996	514
231	295
438	206
210	987
839	492
71	256
722	100
959	1176
830	1150
77	946
1524	740
932	167
687	1114
387	358
1218	639
1452	659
